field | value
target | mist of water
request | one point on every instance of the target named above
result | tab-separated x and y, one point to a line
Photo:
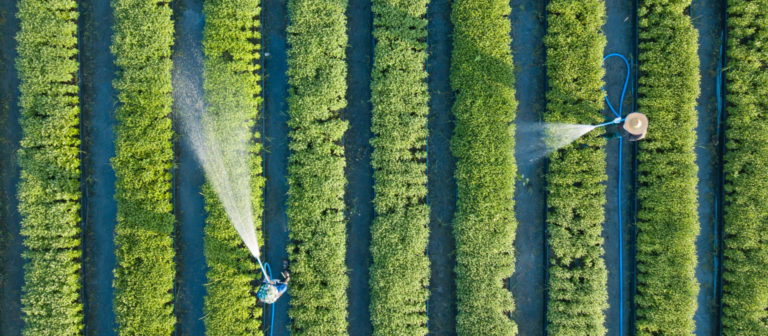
219	134
547	138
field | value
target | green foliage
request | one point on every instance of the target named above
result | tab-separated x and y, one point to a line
400	230
482	78
49	190
231	91
577	295
667	220
143	35
745	280
317	71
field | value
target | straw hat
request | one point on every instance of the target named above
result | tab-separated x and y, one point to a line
636	123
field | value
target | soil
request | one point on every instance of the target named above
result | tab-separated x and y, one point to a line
441	165
620	33
707	18
189	204
528	282
12	276
98	103
275	133
359	191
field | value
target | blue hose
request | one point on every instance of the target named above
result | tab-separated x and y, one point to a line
272	314
618	114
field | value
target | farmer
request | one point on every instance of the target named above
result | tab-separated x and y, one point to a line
635	126
273	289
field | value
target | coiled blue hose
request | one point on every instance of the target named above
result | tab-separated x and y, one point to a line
618	114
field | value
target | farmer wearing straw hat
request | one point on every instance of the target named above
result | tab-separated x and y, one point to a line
635	126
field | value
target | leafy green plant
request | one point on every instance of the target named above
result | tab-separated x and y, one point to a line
317	71
400	229
745	278
577	289
49	190
667	220
142	40
482	78
231	44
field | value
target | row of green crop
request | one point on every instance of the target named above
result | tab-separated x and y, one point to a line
49	191
142	40
400	230
577	289
667	222
231	43
745	279
317	71
482	78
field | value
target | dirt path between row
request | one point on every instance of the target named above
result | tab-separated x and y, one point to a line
98	103
275	133
528	282
189	178
441	166
707	19
357	147
12	276
620	32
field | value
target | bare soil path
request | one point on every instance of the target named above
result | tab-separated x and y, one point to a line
527	283
620	32
189	202
357	147
441	165
99	206
12	276
707	19
275	133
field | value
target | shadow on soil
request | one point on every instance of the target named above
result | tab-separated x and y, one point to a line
100	209
11	278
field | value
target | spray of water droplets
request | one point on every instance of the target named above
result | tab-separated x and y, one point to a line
220	135
549	138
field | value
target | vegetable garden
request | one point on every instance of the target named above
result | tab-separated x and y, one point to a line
295	85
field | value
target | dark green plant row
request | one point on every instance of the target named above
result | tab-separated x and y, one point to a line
49	190
482	77
317	71
231	43
745	279
577	289
667	218
400	230
143	163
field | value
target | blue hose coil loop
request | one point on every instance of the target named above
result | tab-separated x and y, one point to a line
618	114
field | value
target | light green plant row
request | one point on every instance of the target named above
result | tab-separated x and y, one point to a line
577	289
141	44
745	279
667	218
231	43
317	71
400	230
49	190
482	79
